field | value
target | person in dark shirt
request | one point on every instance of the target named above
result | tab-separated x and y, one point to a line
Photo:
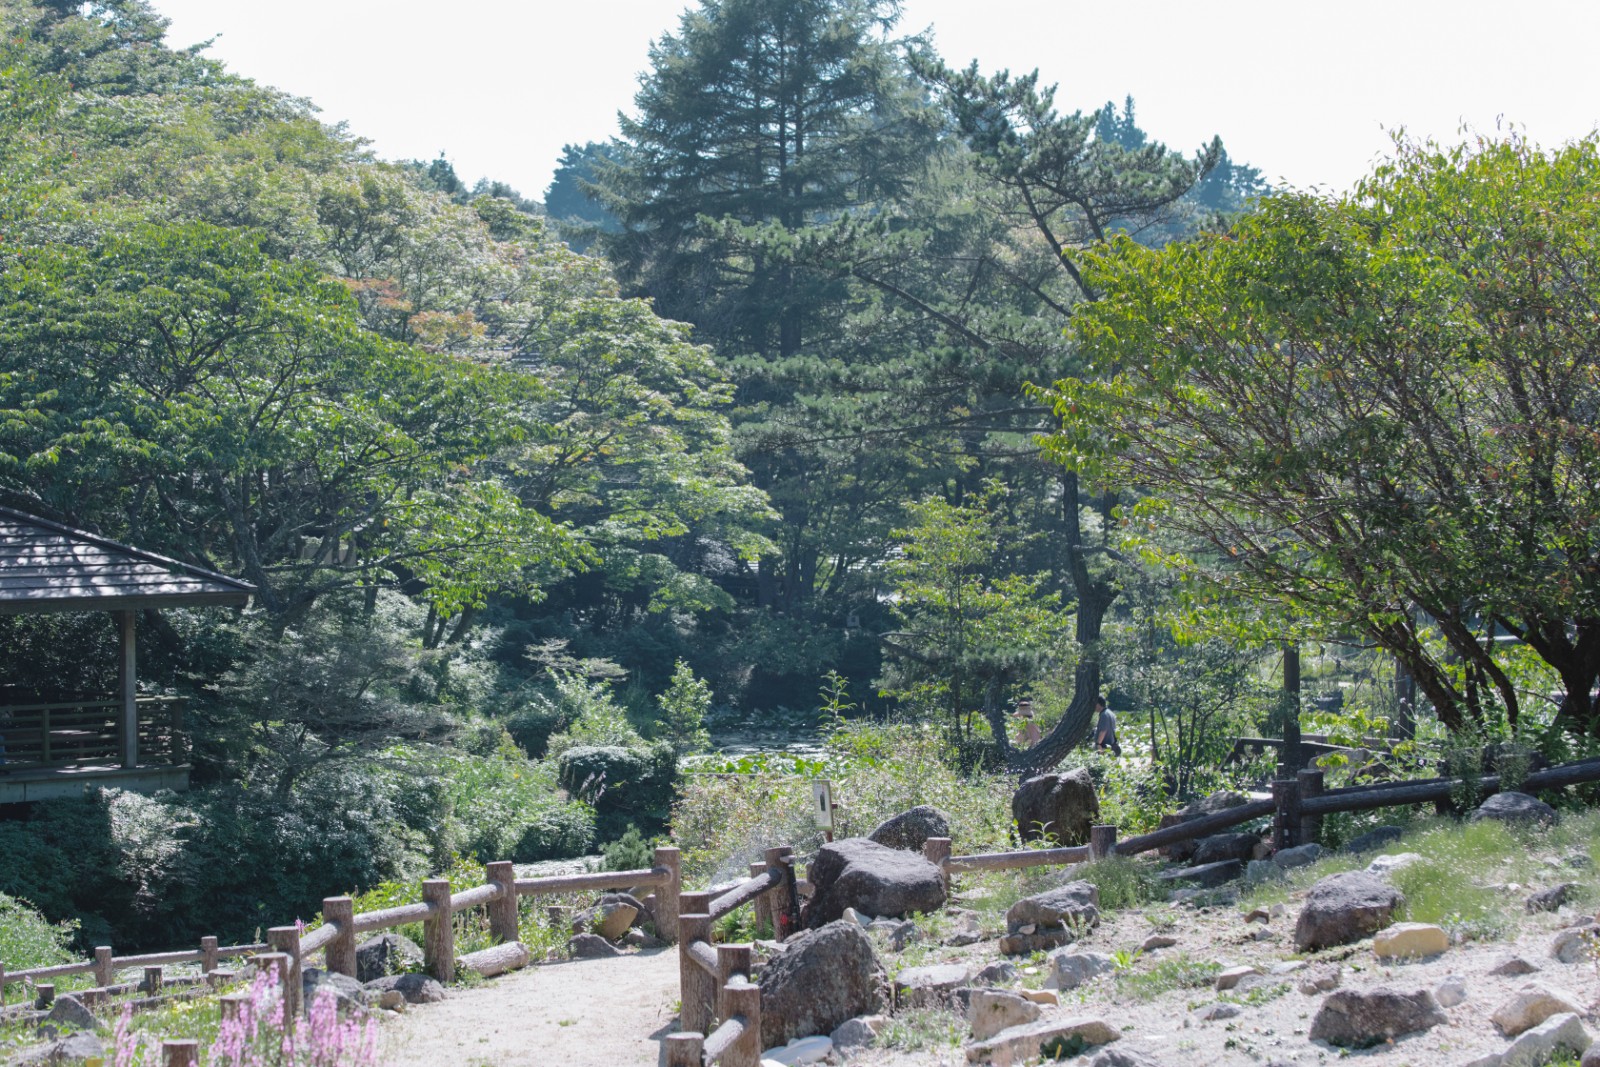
1105	731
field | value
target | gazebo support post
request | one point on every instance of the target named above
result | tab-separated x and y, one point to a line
130	691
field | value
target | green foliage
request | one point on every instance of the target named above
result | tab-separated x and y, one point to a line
28	939
683	711
506	807
630	852
1123	882
591	717
1176	972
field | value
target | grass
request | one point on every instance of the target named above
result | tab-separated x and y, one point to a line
920	1029
1178	972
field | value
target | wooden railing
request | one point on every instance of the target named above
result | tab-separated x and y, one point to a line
286	948
89	732
716	981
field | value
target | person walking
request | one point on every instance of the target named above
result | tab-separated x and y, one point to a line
1029	734
1105	730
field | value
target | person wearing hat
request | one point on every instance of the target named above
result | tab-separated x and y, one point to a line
1029	735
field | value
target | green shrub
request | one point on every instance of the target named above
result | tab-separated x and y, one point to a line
504	806
630	852
683	712
623	785
1122	882
28	939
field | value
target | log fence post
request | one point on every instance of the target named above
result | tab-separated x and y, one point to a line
685	1050
697	989
1102	841
744	1000
229	1004
340	955
936	850
45	996
439	931
286	940
559	916
732	961
503	909
180	1053
153	979
103	971
1286	812
1311	785
208	954
763	905
785	908
667	904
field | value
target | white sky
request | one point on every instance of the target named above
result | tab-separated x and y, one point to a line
1304	90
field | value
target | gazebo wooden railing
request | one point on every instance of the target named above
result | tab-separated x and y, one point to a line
88	733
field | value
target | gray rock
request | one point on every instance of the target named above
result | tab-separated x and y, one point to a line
1221	800
1058	916
638	938
1123	1057
1451	991
1510	968
1576	943
990	1011
929	987
1069	970
1363	1018
861	874
910	829
591	947
996	974
70	1011
898	932
1299	856
1220	847
416	988
1387	865
1023	1043
1343	908
1373	840
384	955
1059	806
1531	1005
1235	977
822	979
1258	871
349	995
1552	898
1322	978
1157	941
1559	1033
1515	807
1216	1012
1206	876
74	1048
609	920
854	1035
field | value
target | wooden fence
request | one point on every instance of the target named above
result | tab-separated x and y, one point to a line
89	733
716	981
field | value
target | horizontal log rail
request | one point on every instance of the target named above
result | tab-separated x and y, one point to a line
1007	861
746	892
1204	826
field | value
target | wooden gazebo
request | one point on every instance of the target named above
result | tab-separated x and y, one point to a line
61	748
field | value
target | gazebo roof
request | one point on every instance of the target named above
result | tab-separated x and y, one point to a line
46	567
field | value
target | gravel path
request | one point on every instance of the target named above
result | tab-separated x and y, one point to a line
582	1013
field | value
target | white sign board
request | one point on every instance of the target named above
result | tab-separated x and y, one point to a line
822	803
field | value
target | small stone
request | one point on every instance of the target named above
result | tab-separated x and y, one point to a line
1022	1043
1299	856
591	947
1231	977
1385	865
1531	1005
416	988
1451	991
854	916
996	974
800	1051
1278	911
929	987
1069	970
1576	943
1512	967
1320	979
1257	872
1287	967
1552	898
391	1000
1262	933
1155	941
990	1011
1040	996
1410	941
1260	915
1540	1044
856	1034
1217	1011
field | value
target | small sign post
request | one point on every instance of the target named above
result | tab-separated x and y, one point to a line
822	805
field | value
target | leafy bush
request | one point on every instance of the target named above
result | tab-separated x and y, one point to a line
624	785
591	717
503	806
630	852
28	939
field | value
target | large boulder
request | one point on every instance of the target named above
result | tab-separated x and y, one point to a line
821	980
910	829
1362	1018
1515	808
1221	800
874	880
1342	908
1050	919
416	988
384	955
1058	806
